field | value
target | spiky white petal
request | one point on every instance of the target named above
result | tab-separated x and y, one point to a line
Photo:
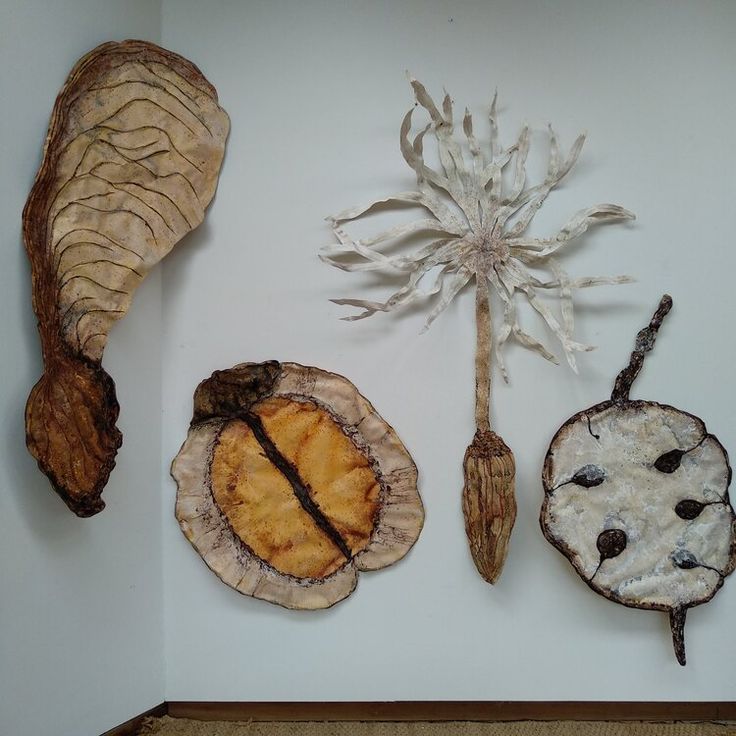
481	220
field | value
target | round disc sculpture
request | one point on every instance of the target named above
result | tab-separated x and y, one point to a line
636	497
289	483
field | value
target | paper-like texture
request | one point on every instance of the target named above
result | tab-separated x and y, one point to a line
636	497
478	218
290	483
131	161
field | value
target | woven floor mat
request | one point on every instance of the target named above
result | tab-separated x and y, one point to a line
184	727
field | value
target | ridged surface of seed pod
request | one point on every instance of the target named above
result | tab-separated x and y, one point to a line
131	161
489	504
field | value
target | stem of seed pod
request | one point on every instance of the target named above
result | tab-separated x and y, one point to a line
644	343
677	624
482	354
489	505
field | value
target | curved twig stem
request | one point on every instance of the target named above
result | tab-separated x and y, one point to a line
482	354
677	624
644	343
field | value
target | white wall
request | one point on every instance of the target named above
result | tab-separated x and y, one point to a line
81	628
316	92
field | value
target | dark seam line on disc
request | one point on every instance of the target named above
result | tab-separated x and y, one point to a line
301	489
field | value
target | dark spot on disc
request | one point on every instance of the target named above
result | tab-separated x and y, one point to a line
669	462
689	509
684	560
589	476
611	543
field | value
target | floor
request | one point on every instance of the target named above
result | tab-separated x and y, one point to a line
167	726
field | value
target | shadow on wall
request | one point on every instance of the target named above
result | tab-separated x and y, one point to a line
39	508
46	516
177	266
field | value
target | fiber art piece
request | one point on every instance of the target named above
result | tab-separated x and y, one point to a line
636	497
290	483
131	161
479	207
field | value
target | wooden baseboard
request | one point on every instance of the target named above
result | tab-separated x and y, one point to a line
455	711
420	710
133	726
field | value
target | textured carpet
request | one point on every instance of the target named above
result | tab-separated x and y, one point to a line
183	727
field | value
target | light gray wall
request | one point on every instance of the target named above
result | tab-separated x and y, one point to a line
316	91
81	628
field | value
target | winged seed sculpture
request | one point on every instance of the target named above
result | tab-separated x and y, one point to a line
131	161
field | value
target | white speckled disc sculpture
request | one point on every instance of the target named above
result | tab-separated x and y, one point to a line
636	497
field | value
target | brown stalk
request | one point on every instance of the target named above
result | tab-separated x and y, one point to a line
489	504
644	343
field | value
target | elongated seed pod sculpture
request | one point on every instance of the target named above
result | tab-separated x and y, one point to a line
290	483
131	161
636	497
480	222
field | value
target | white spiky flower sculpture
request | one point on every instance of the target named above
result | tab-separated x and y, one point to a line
479	221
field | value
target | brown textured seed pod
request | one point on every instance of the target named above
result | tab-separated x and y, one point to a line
131	161
489	503
290	483
488	500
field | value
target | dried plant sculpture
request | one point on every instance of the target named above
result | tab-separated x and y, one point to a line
480	221
131	161
636	497
289	483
